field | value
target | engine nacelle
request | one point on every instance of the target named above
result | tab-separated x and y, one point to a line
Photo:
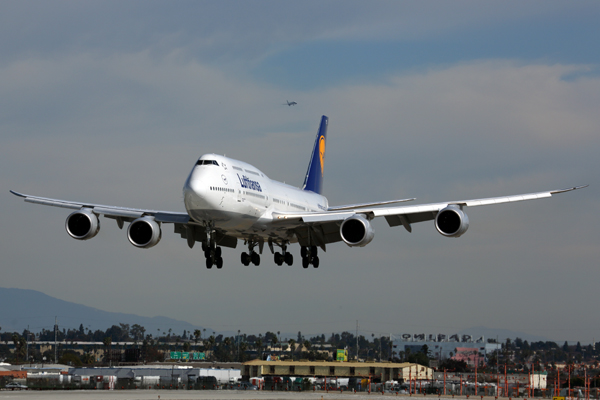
356	231
451	221
82	224
144	232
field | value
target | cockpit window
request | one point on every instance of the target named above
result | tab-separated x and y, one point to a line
207	162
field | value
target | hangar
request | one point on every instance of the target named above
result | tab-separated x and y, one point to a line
379	372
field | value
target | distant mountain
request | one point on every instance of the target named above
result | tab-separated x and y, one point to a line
21	308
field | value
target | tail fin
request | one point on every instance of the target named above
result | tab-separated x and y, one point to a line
314	175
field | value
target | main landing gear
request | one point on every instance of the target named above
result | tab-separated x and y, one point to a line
309	256
284	256
250	257
213	256
253	258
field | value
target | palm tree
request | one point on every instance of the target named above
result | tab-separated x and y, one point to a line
227	342
211	342
279	340
107	343
273	343
20	345
243	348
292	344
259	344
197	334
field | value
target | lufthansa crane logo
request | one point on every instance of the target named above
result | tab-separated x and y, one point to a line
322	152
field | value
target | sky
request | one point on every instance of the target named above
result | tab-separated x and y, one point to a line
112	102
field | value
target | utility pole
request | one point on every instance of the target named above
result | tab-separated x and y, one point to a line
356	340
55	345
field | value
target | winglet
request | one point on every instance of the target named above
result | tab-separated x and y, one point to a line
568	189
314	175
17	194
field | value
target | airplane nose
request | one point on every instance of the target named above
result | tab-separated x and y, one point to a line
195	191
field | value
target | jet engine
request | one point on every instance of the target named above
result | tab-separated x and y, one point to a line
356	231
451	221
82	224
144	232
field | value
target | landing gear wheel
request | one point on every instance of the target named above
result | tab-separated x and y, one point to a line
305	262
255	258
245	259
278	258
219	262
289	258
314	251
209	262
218	252
315	262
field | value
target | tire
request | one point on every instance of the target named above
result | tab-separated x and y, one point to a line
219	262
209	263
314	251
315	262
245	259
305	262
289	258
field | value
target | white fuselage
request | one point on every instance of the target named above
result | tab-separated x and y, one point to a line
238	198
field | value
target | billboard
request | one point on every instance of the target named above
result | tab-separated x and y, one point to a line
342	355
185	356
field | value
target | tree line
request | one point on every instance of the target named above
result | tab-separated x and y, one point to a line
144	346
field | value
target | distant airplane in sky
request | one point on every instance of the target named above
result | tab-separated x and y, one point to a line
229	200
290	103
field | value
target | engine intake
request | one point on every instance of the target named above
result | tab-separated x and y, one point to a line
82	224
356	231
451	221
144	232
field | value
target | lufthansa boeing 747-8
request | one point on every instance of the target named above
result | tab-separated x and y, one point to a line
229	200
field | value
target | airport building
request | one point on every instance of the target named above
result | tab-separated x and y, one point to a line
378	372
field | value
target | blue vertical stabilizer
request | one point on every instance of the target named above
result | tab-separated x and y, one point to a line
314	175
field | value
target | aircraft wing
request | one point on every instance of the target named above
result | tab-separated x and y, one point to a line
418	213
184	225
125	214
323	227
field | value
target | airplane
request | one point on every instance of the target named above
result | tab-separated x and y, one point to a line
288	103
228	200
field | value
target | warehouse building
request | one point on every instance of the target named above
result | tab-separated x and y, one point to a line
378	372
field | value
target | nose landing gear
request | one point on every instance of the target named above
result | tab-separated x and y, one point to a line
212	252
